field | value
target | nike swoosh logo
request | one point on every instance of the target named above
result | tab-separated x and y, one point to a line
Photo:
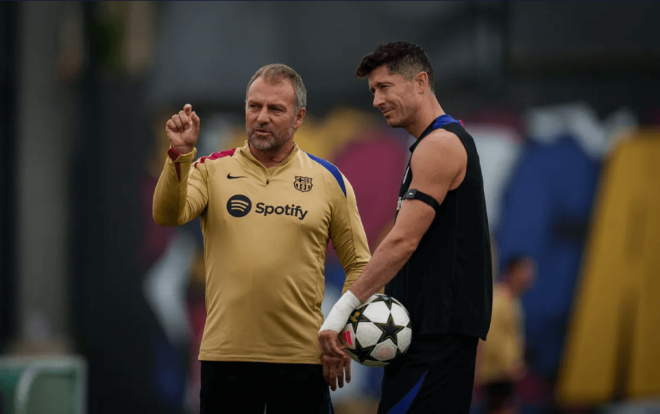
231	178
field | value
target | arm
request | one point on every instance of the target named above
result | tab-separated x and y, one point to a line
347	233
413	220
350	242
438	166
181	194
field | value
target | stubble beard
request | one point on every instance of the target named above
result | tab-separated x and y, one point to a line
397	123
397	118
404	118
272	143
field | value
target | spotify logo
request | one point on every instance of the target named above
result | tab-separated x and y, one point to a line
239	206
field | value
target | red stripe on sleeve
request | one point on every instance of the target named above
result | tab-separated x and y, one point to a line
173	154
216	155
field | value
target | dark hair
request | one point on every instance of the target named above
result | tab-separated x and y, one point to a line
514	262
405	58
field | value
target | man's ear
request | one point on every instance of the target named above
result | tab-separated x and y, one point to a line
421	81
299	118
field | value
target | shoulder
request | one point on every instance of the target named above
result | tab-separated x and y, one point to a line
330	170
214	157
441	142
441	152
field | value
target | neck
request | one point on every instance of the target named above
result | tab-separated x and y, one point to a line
273	158
429	110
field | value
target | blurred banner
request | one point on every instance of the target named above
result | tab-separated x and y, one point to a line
613	349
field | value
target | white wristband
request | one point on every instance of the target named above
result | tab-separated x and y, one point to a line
340	313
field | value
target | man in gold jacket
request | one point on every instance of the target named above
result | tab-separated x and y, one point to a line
267	212
501	359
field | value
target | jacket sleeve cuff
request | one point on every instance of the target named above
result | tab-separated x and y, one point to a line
177	157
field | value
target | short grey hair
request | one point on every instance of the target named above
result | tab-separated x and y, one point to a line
276	72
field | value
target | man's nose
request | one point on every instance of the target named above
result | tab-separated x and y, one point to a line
263	116
378	100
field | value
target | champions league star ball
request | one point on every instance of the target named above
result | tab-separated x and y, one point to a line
377	332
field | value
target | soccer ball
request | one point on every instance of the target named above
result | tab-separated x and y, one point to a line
377	332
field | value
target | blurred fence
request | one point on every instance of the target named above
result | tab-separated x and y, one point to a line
43	385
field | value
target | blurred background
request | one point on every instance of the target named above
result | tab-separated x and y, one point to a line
101	310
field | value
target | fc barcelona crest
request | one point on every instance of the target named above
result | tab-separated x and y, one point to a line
303	184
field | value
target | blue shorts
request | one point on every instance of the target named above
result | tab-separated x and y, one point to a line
436	375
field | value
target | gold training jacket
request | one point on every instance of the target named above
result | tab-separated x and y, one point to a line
266	232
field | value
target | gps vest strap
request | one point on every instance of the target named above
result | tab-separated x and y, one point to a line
413	194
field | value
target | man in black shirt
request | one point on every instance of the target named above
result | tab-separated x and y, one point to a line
436	259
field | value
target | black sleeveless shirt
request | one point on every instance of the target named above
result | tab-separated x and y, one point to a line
447	284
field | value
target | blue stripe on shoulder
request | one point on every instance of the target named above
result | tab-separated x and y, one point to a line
333	170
